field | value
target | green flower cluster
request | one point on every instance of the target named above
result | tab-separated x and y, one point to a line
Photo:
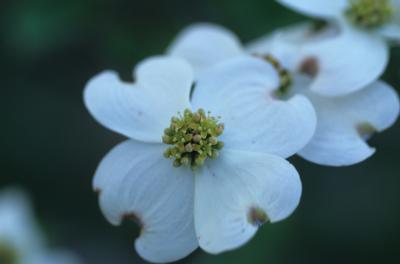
370	13
194	138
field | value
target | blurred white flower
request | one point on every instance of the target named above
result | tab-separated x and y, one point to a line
346	121
332	68
239	177
378	18
340	68
365	28
21	242
204	45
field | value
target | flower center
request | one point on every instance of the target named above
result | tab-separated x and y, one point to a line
284	75
7	254
193	137
370	13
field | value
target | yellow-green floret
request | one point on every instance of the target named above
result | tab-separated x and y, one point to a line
370	13
193	137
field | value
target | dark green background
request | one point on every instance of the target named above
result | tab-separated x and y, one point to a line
51	146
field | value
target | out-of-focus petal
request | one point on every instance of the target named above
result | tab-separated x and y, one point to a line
204	45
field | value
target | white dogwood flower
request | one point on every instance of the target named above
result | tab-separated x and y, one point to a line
194	177
21	242
330	51
376	17
343	122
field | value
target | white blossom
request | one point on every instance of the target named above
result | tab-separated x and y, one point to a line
220	204
347	120
21	241
378	18
341	68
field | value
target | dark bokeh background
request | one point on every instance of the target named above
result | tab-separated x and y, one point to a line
51	146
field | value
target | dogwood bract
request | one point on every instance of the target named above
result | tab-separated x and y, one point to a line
206	170
21	242
344	122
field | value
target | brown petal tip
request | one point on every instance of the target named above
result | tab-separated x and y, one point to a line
257	216
309	66
366	130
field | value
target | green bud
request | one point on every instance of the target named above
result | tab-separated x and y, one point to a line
213	140
188	147
167	153
219	145
166	139
197	138
177	163
197	117
214	154
202	113
199	161
185	161
168	131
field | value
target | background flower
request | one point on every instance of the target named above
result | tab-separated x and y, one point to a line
348	119
21	241
383	15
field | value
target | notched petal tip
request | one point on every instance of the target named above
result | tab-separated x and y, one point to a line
135	218
97	191
257	216
366	130
309	66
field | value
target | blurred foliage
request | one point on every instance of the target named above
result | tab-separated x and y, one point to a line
51	146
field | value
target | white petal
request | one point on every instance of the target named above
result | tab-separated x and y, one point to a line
347	62
241	92
204	45
136	181
141	110
317	8
339	139
229	188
